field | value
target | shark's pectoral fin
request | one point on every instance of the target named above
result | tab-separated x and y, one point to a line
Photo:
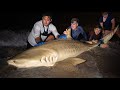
76	61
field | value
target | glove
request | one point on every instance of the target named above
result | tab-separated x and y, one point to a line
40	43
63	36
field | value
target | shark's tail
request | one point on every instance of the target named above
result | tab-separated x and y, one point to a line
106	38
110	35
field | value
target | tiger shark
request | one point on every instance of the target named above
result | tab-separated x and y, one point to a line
54	51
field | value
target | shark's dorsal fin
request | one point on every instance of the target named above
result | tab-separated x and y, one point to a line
68	33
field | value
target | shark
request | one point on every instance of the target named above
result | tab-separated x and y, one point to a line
54	51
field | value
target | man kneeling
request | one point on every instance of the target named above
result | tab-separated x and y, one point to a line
43	31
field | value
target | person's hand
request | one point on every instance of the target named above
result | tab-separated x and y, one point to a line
104	45
89	42
113	30
40	43
95	41
65	32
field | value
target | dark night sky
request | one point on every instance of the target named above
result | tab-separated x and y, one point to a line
25	20
23	15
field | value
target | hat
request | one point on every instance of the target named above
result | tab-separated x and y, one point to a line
74	20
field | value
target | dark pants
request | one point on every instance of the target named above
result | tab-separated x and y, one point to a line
48	36
29	45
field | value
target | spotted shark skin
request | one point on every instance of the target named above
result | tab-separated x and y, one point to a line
52	52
